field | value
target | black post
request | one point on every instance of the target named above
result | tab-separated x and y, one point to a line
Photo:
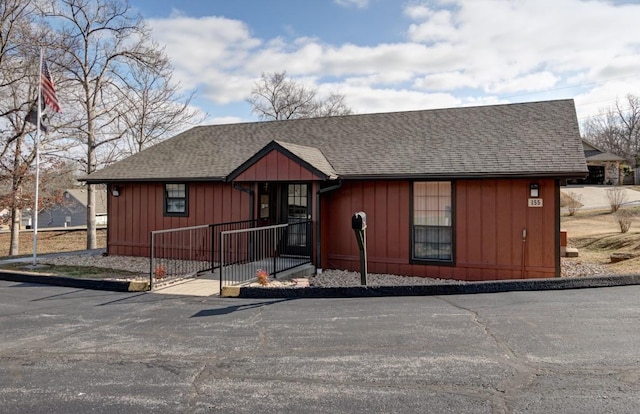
359	226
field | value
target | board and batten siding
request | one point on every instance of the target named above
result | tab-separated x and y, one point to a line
276	166
490	215
140	209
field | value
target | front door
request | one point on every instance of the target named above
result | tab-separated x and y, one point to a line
297	212
287	203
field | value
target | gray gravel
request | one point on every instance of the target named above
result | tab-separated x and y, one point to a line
571	267
128	263
576	267
337	278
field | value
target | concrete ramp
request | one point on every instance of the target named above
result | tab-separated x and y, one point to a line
209	284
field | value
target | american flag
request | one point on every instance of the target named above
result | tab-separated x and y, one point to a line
48	89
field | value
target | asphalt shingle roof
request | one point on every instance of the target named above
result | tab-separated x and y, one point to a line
526	139
593	153
81	197
312	155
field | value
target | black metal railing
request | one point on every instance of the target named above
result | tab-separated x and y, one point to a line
237	250
273	249
217	229
179	253
187	251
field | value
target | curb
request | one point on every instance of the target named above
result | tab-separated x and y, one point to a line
430	290
342	292
94	284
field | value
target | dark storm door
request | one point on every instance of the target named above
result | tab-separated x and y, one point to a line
296	202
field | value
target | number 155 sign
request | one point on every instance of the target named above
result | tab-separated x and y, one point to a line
535	202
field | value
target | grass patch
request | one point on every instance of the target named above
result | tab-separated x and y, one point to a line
78	272
608	242
51	241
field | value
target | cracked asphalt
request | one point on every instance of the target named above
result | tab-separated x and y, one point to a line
74	350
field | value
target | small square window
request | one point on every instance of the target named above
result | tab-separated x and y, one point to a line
176	200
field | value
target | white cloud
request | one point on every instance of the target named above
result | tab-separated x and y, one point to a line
540	81
438	25
225	120
360	4
370	100
456	53
445	81
205	50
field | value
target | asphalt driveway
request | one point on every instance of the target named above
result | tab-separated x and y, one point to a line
594	197
73	350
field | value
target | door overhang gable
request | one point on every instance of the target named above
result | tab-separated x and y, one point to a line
309	158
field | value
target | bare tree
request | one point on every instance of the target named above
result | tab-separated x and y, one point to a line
276	97
616	197
151	107
20	39
624	218
618	130
573	202
102	41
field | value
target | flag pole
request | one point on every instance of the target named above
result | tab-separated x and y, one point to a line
34	214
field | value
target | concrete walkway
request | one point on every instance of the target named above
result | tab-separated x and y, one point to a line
209	284
206	285
594	197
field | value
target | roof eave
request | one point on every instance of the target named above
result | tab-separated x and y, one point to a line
458	176
89	180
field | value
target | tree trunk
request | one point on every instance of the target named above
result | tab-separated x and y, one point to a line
91	167
16	200
16	217
91	217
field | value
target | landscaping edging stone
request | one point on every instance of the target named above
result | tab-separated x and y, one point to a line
342	292
94	284
429	290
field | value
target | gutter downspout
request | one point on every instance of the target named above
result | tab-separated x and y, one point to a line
318	215
251	193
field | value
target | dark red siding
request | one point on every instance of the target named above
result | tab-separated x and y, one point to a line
139	210
276	166
490	216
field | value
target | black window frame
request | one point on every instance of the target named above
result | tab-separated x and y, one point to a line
415	259
167	199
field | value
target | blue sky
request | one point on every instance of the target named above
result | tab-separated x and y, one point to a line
394	55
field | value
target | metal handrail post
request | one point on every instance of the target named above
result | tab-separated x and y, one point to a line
151	262
221	259
213	244
275	252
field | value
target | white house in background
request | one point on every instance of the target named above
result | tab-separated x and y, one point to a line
71	212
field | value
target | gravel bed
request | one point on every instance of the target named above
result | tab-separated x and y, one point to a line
576	267
571	267
342	278
128	263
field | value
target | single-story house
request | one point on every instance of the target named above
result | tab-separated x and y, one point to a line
604	167
465	193
72	210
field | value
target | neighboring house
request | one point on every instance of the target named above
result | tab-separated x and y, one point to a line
466	193
5	218
604	167
72	211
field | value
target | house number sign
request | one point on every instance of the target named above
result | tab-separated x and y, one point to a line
535	202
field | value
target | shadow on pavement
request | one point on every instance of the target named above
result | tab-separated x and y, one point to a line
235	308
